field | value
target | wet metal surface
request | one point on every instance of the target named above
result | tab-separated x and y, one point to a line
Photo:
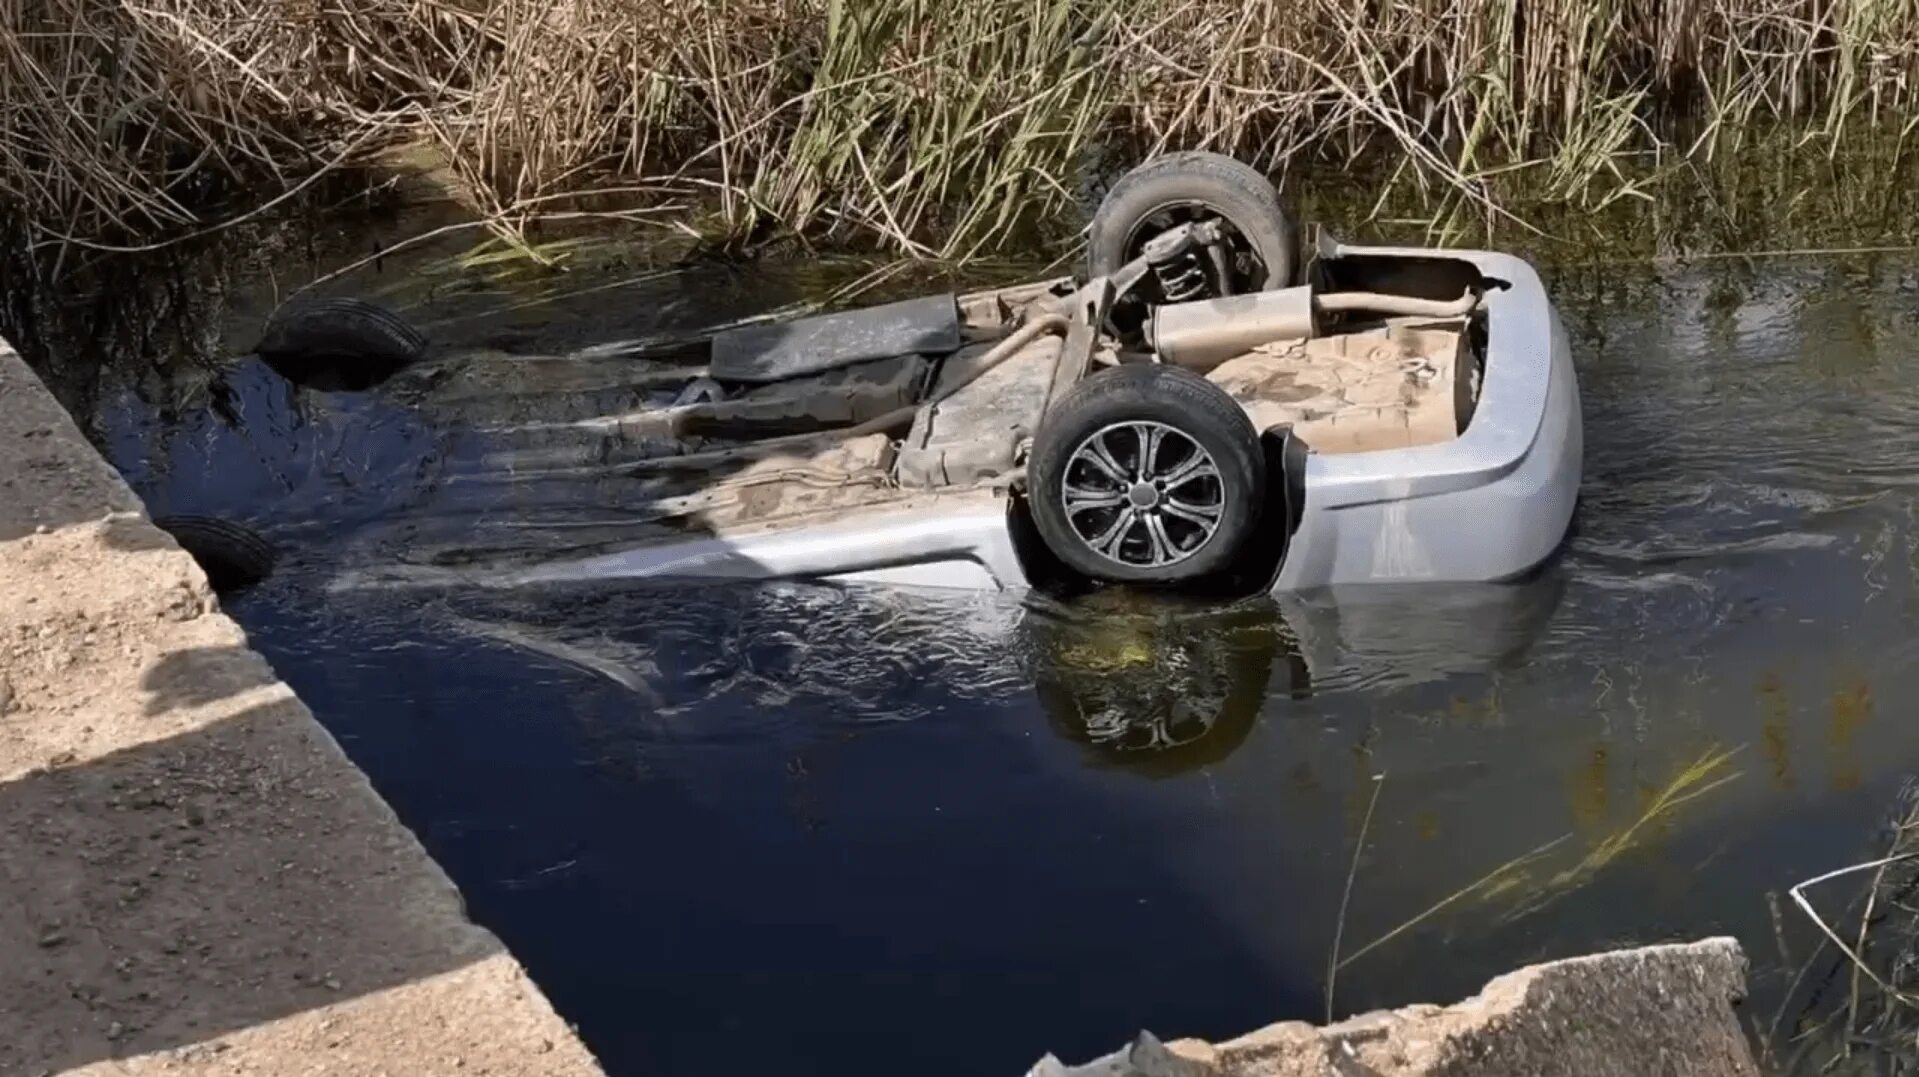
813	830
771	352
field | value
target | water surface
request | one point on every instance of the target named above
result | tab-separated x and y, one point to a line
839	830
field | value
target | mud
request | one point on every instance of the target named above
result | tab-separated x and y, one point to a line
1392	387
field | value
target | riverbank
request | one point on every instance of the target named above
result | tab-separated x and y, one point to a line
924	128
198	881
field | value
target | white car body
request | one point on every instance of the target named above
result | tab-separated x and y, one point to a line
1488	505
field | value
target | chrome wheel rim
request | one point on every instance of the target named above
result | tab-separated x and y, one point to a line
1142	494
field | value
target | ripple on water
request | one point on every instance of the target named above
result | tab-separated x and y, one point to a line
757	654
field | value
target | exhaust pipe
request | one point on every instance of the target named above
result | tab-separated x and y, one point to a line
1205	333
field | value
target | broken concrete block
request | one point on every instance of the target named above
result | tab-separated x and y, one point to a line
1641	1012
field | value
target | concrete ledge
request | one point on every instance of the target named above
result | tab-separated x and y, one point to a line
197	880
1657	1010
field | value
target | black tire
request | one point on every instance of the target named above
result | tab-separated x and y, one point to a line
1162	396
1207	183
335	330
233	557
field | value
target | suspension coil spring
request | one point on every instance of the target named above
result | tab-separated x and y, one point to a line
1181	278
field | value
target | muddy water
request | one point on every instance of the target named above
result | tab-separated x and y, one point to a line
811	829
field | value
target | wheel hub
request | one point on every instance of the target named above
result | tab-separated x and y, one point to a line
1143	493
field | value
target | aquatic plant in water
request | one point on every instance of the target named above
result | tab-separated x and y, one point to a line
1525	884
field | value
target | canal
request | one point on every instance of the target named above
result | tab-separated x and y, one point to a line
822	829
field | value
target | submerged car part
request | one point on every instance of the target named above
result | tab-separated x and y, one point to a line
777	351
1438	445
233	557
338	344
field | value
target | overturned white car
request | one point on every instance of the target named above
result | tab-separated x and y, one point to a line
1210	406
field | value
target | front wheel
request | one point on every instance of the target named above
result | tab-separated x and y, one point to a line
339	344
233	557
1146	473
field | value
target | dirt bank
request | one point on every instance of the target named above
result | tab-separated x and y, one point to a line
197	881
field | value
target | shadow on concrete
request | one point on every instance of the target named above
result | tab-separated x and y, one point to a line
183	889
199	676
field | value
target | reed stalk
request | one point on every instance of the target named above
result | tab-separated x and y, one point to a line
930	128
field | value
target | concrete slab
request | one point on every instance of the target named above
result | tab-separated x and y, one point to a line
1654	1011
196	879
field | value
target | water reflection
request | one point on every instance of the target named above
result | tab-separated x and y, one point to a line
1160	686
1147	683
1401	636
1153	686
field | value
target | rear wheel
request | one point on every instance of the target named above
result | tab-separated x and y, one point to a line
1260	238
1146	473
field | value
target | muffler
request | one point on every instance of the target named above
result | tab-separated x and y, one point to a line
1206	332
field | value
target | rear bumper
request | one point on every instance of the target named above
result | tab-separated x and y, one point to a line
1487	506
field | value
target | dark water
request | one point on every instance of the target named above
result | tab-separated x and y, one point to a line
810	829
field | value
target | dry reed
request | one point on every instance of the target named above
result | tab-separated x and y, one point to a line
933	128
1856	995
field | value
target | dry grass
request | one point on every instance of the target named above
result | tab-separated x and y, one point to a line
932	127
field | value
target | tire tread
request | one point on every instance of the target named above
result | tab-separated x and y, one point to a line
1142	391
329	328
232	556
1232	187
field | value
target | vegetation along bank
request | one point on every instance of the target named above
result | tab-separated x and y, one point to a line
928	128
